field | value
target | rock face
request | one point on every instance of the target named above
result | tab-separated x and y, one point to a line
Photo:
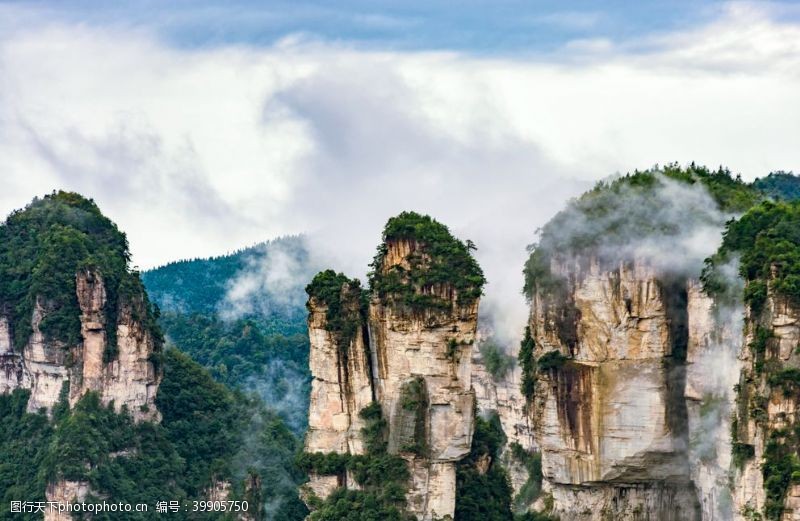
414	363
60	494
342	378
126	377
612	420
712	371
503	396
767	425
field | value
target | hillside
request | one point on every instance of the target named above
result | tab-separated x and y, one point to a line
242	317
94	406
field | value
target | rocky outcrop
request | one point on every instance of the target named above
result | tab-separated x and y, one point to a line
413	361
430	349
60	494
502	395
767	425
609	411
342	381
123	373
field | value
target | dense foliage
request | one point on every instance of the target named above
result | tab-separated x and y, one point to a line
257	340
243	354
780	186
42	248
483	492
24	440
206	286
442	262
767	242
207	433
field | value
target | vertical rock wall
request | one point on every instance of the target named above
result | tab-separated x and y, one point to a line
766	410
127	378
340	388
611	420
416	365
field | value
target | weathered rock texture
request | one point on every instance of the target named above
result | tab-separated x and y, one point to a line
766	411
397	356
126	377
612	421
342	379
503	396
62	493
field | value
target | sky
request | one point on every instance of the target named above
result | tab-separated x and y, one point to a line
203	127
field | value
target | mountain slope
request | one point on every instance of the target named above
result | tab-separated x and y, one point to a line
242	317
91	406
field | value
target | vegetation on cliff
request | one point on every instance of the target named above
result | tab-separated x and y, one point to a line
532	461
766	243
345	303
42	248
657	203
483	492
528	363
496	361
207	433
383	477
439	262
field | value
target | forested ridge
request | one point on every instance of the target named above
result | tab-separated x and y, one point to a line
209	432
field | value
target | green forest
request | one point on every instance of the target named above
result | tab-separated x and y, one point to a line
211	431
235	383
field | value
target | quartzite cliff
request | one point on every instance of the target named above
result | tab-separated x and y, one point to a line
65	329
657	380
47	367
405	345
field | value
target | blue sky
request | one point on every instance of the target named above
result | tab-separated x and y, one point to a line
500	27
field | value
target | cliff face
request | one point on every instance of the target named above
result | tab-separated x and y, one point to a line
413	361
767	426
341	386
429	351
48	368
610	414
128	378
502	394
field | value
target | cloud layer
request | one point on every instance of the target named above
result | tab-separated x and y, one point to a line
197	151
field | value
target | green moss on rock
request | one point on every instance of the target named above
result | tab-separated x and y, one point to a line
42	249
439	261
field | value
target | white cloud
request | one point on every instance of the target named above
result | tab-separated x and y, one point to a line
198	151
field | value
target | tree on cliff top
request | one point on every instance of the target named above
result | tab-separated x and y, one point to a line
42	248
767	242
661	214
441	260
781	186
